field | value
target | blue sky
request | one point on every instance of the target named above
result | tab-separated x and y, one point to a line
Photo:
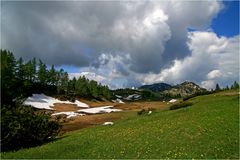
227	21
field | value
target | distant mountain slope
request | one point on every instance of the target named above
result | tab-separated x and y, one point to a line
184	89
157	87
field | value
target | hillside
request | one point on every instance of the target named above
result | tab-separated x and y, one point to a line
207	129
157	87
185	89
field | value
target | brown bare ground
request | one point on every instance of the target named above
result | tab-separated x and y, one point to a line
79	122
60	107
135	106
97	103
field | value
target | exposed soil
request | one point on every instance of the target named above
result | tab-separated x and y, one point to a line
60	107
79	122
136	106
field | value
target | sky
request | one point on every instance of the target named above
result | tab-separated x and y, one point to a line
128	43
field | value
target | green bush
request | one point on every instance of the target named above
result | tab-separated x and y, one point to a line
23	126
66	97
180	105
143	111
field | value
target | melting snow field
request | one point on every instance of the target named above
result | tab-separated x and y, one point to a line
83	112
69	114
104	109
42	101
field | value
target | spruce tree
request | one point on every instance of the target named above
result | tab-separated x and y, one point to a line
217	87
42	73
93	88
235	85
20	69
52	76
33	70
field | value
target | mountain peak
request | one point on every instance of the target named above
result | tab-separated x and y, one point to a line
157	87
189	83
184	89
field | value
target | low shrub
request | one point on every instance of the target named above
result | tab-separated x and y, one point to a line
143	111
66	97
23	126
180	105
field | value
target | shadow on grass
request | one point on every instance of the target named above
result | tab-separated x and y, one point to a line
34	145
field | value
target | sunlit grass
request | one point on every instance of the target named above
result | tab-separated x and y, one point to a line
207	129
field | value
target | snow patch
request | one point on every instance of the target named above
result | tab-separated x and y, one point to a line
107	123
149	112
41	101
81	104
133	97
118	96
173	101
69	114
104	109
118	101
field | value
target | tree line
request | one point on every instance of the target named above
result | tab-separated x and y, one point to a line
21	79
23	126
235	85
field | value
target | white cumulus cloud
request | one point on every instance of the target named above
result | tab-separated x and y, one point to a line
214	74
213	60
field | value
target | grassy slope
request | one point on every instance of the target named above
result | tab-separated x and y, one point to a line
208	129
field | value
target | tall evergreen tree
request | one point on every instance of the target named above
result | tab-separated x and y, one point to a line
52	76
227	88
20	69
42	73
217	87
28	71
235	85
106	92
93	88
8	65
8	79
62	85
64	82
71	85
81	86
33	70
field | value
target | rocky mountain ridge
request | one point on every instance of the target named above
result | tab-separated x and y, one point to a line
184	89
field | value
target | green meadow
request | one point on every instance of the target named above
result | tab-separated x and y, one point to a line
207	129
